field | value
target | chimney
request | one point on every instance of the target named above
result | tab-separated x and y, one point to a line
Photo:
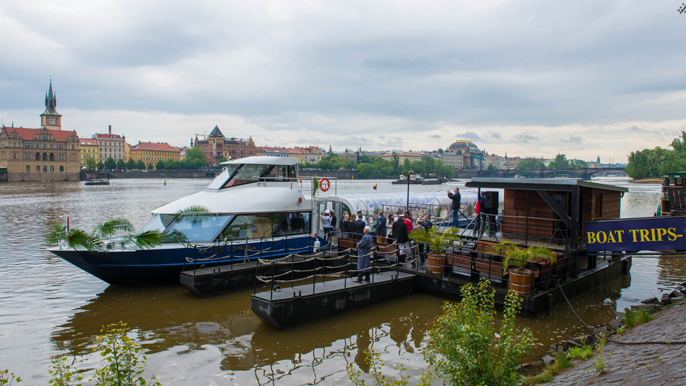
110	129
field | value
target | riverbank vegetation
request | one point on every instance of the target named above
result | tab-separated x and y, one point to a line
464	347
122	363
377	167
654	163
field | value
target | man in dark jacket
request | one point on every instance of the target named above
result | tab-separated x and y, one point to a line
358	227
380	228
457	197
400	236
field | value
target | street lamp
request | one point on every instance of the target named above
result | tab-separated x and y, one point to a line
408	174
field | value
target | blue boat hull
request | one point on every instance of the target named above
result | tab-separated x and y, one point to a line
165	264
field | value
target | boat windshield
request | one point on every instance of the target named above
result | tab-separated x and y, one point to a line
158	222
201	228
265	225
240	174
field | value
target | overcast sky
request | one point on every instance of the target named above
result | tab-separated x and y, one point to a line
585	78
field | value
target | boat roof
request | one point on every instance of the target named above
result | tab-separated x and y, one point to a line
539	184
263	160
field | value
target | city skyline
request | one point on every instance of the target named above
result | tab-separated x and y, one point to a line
521	78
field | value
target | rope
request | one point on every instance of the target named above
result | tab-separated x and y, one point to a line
606	338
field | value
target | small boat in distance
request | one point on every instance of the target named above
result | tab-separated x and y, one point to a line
254	209
98	181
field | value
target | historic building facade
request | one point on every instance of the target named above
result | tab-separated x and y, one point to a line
45	154
89	149
152	153
216	146
111	145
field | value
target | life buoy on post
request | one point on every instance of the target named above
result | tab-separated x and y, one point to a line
324	184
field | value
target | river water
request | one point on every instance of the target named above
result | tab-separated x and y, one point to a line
50	307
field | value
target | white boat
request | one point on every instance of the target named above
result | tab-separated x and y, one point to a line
254	209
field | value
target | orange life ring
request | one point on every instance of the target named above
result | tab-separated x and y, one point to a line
324	184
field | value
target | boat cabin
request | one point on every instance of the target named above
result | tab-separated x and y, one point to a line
673	198
252	198
545	210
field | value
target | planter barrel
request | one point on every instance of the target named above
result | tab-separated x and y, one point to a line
520	281
436	263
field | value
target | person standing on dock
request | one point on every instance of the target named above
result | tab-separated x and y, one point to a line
358	227
364	249
400	235
455	206
326	224
380	228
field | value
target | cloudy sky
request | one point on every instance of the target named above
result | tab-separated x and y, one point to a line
585	78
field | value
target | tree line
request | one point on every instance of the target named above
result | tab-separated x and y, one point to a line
195	159
654	163
376	167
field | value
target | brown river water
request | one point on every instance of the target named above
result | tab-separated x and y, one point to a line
49	307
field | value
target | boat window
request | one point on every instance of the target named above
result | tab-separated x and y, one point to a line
255	226
224	176
158	222
201	228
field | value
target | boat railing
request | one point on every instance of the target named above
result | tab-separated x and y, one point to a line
228	253
294	270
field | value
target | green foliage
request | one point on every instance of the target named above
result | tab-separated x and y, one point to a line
561	363
7	378
146	239
110	164
111	227
599	361
463	346
438	241
75	238
195	153
123	360
91	163
513	256
159	165
121	164
377	167
100	165
653	163
634	318
560	162
682	9
373	358
175	236
130	164
491	167
193	211
150	166
140	165
315	185
531	164
583	352
63	372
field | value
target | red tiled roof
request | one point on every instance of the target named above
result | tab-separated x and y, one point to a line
31	134
88	141
152	146
110	136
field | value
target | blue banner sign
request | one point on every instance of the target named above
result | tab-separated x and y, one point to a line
655	234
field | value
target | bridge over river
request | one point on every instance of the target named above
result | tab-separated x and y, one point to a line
584	173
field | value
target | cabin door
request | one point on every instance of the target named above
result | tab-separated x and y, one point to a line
323	205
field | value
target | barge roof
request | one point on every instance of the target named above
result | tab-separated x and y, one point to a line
539	184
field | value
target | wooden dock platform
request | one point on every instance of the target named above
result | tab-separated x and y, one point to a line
290	306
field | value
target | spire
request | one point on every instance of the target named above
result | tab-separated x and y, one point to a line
50	102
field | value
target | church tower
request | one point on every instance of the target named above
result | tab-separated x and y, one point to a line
51	119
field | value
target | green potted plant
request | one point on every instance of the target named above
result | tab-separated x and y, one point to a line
438	241
516	261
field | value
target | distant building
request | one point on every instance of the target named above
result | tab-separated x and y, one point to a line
216	146
89	149
272	151
403	156
472	157
311	154
45	154
111	145
154	152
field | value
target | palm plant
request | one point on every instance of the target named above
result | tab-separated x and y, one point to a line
193	212
74	238
514	256
146	239
109	228
437	240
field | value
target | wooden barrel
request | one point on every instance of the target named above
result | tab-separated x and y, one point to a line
436	263
520	281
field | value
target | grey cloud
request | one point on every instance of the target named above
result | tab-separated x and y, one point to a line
572	139
524	138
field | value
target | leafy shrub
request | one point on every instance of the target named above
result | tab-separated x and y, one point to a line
463	346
